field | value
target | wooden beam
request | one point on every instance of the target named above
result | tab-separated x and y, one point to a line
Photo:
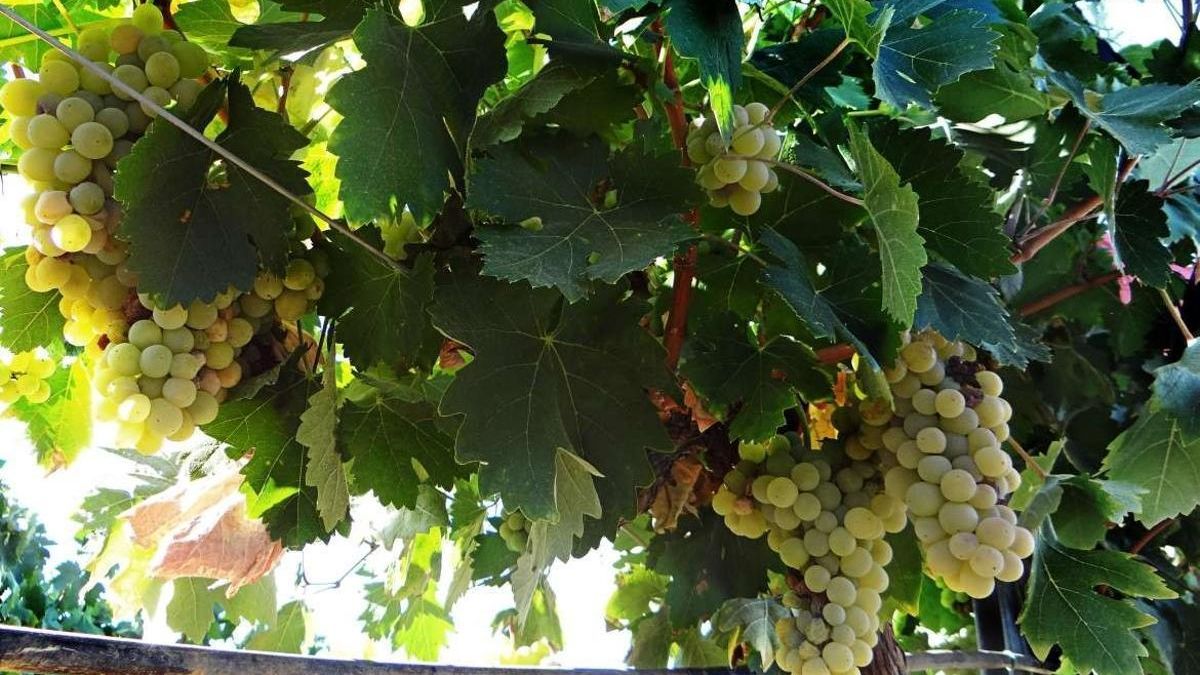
55	653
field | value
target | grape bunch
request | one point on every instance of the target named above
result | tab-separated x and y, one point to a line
825	513
23	375
736	174
514	530
950	471
160	370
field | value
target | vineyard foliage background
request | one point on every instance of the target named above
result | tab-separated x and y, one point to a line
530	305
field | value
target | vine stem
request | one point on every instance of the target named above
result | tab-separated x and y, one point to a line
973	660
1173	310
1042	237
681	300
1150	536
1062	294
199	136
1029	461
804	80
829	189
1062	172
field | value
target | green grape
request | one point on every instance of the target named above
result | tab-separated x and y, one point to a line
729	169
185	366
841	542
149	20
950	403
992	461
1013	568
204	410
72	233
73	112
149	46
806	476
37	164
924	402
45	131
267	286
919	356
807	507
772	142
173	317
958	485
71	167
931	468
179	340
180	392
842	591
990	383
134	409
816	578
923	499
838	657
219	355
87	198
92	140
93	83
18	131
145	333
164	419
956	517
155	361
151	386
185	93
782	492
115	120
863	524
59	77
158	95
300	275
756	177
744	202
201	315
186	428
133	77
162	69
291	305
139	121
989	410
747	141
53	273
125	39
20	97
816	543
793	553
51	206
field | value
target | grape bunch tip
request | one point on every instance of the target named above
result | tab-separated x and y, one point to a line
736	174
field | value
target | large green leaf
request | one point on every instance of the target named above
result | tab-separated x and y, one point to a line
726	366
286	635
1138	232
963	308
396	446
550	375
60	427
855	16
580	238
1160	455
893	212
1135	116
1007	89
301	37
957	219
176	213
408	113
710	31
755	618
913	62
325	472
1096	632
27	319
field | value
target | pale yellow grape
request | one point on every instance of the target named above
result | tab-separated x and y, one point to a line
924	499
928	529
123	359
924	402
816	542
958	485
990	383
841	542
975	585
963	424
747	141
841	590
204	410
1013	568
134	409
940	559
180	340
45	131
838	657
19	97
958	517
1002	432
908	385
170	318
758	488
918	356
807	507
744	202
1022	544
863	654
914	423
863	524
756	177
784	518
963	545
772	142
814	666
936	376
950	403
857	563
833	613
931	468
897	481
71	234
996	532
180	392
722	501
729	169
92	140
53	272
59	77
909	455
147	19
992	462
37	164
806	476
793	553
987	561
291	305
990	412
829	494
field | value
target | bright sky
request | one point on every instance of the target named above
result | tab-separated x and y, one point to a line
582	586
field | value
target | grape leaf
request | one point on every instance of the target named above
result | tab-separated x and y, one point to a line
190	610
790	61
27	319
387	437
303	36
428	513
726	366
568	22
382	308
325	472
211	24
709	564
1088	505
176	215
854	16
1161	451
755	618
575	499
408	113
651	643
1138	232
893	212
710	31
560	182
1135	116
914	62
266	425
551	375
20	46
636	589
1095	632
1006	89
60	427
957	220
537	96
963	308
286	635
835	311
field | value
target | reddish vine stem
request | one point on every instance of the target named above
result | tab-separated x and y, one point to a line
681	301
835	354
676	117
1041	238
18	71
1150	536
1176	316
285	77
1066	293
1063	171
1029	461
164	6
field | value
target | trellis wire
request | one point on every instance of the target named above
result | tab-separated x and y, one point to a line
198	135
